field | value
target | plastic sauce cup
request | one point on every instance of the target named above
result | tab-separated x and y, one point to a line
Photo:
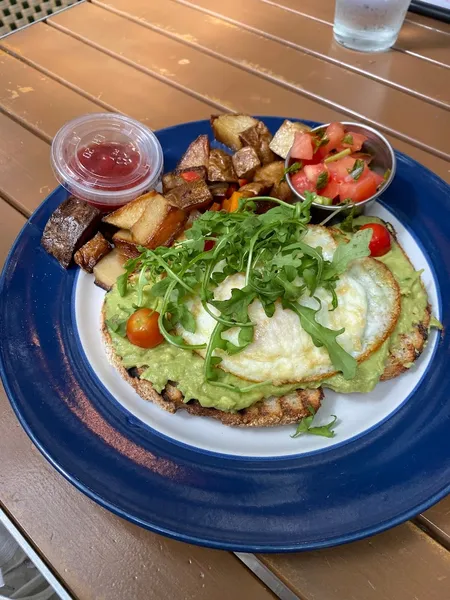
106	159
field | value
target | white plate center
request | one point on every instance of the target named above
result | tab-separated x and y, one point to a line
357	413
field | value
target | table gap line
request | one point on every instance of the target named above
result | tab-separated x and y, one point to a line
417	24
394	47
433	530
141	68
273	79
267	576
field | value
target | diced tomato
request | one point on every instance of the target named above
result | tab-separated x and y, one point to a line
301	183
357	143
312	172
242	182
209	245
331	190
189	176
359	190
378	178
303	147
339	169
380	242
334	132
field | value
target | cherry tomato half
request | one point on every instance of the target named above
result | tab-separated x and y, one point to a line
143	330
380	243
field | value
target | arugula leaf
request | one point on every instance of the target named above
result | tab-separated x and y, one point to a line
294	168
322	336
236	306
305	426
347	139
357	170
348	224
118	325
159	289
357	247
322	180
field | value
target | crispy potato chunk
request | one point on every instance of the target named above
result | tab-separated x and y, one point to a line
284	138
245	162
160	223
93	251
255	188
197	154
259	138
227	128
271	173
124	241
191	195
108	269
221	167
126	216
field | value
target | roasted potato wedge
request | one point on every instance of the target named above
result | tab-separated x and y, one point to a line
259	138
124	241
196	155
126	216
221	167
93	251
170	181
108	269
245	162
68	228
191	195
271	173
255	188
227	128
219	191
160	223
282	191
182	176
284	138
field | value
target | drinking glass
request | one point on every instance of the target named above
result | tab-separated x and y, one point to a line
369	25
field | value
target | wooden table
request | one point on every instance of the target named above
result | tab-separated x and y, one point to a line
164	62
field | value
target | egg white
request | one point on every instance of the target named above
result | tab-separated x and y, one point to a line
282	351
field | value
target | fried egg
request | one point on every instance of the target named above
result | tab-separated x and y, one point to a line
281	350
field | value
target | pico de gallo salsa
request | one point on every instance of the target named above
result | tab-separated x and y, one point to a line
330	163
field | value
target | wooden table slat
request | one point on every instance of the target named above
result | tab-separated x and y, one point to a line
360	97
26	177
429	44
437	521
403	564
395	68
97	75
40	102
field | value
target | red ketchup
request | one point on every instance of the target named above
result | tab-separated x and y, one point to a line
110	166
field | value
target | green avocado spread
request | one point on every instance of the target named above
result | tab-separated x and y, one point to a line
168	363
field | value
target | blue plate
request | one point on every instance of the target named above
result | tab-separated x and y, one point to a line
349	491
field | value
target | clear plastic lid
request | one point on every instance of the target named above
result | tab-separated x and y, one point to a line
106	159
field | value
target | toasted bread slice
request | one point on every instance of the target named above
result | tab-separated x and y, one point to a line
265	413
